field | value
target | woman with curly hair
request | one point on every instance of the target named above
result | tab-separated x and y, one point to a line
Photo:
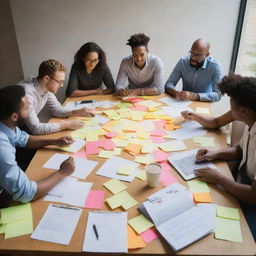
88	72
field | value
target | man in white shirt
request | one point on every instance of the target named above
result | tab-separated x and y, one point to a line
143	70
41	91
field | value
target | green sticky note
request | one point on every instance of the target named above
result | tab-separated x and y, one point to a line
141	175
140	224
204	141
15	213
19	228
2	229
228	229
125	170
198	186
228	212
115	186
124	105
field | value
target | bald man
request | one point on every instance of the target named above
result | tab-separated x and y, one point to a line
200	75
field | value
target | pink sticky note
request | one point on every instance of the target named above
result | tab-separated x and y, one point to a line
165	166
157	139
79	154
111	135
158	133
166	178
108	144
138	107
95	199
92	147
136	100
160	155
160	123
149	235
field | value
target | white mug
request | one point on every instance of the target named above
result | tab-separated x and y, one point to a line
153	172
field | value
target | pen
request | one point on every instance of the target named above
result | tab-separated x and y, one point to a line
65	207
95	231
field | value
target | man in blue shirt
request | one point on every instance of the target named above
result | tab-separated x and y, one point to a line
14	184
200	75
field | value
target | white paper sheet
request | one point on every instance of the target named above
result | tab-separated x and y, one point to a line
75	146
173	111
78	105
76	194
110	168
57	225
175	103
111	230
106	103
83	166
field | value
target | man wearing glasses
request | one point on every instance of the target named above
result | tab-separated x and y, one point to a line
41	91
200	75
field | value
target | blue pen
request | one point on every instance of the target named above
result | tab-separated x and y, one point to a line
95	231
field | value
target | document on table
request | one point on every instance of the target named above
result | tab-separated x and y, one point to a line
106	232
111	167
83	166
58	224
75	146
75	195
175	103
174	111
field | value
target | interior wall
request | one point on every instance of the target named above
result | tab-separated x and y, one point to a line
56	29
10	64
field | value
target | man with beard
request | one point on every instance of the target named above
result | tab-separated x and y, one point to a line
200	75
14	183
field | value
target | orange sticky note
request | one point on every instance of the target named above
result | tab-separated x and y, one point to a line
133	149
134	240
202	197
169	127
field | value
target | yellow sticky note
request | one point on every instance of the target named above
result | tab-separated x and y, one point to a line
134	240
108	154
150	116
137	115
140	224
228	229
133	149
150	103
120	142
115	186
202	110
198	186
148	148
153	109
144	159
91	136
2	229
204	141
141	174
19	228
174	145
202	197
125	170
228	212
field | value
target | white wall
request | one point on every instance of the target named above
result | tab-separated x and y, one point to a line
56	29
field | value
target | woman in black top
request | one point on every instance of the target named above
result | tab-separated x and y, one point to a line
88	72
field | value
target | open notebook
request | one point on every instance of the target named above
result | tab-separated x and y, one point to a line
178	219
185	163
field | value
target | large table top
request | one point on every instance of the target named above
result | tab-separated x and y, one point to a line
24	245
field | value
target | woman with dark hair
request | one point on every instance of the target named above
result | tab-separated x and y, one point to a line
88	72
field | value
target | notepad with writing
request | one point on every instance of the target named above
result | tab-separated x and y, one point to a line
178	219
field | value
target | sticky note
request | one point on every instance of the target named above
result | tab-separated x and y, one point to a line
108	154
15	213
79	154
228	212
144	159
166	178
157	139
159	156
133	149
108	144
111	135
124	105
198	186
149	235
148	148
91	136
139	107
160	124
158	133
134	240
227	229
174	145
125	170
115	186
19	228
95	199
2	229
204	141
202	197
202	110
141	174
140	224
120	142
92	147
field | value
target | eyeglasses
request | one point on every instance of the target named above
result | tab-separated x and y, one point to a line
92	61
196	55
59	82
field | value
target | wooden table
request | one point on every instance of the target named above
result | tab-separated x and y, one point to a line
24	245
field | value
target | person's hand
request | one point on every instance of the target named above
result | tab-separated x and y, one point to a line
123	93
67	167
107	91
209	175
99	91
133	92
205	155
64	141
188	115
83	112
72	124
183	95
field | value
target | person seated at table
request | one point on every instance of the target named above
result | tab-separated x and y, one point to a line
144	71
41	91
209	122
88	72
242	92
200	75
14	184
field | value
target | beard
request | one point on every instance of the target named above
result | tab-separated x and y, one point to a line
197	65
20	122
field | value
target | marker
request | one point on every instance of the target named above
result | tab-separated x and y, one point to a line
65	207
95	231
